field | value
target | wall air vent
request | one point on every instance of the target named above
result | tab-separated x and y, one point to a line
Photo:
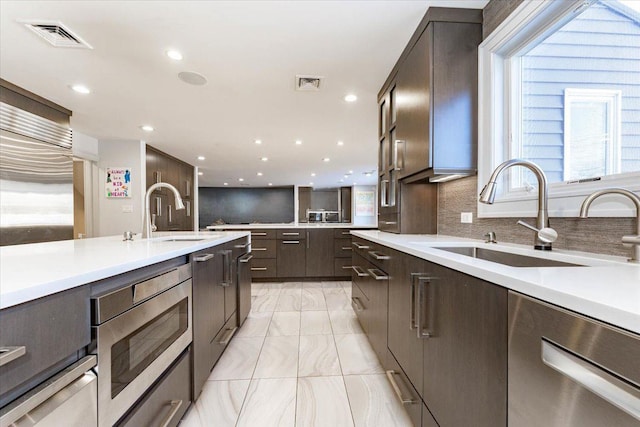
308	83
57	34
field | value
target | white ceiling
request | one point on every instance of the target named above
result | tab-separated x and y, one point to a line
250	52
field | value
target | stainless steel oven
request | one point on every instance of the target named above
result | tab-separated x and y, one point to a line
141	330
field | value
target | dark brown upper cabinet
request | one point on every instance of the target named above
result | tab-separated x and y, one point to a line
428	105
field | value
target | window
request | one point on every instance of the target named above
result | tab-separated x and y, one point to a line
560	86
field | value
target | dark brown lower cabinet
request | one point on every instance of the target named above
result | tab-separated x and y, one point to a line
291	258
319	253
427	418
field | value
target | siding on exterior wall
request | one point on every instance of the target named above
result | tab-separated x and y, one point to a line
600	49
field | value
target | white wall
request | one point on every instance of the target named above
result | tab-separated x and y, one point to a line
110	217
364	220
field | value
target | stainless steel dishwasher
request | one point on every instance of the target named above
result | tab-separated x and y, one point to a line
566	370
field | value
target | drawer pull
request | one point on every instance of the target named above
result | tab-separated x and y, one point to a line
8	354
202	258
258	268
258	234
291	234
290	242
359	271
404	400
258	249
357	305
246	259
241	246
374	272
359	246
346	233
389	222
347	267
229	334
175	408
379	255
346	248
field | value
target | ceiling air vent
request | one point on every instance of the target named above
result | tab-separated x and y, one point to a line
308	83
57	34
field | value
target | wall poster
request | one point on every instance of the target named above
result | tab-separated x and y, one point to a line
118	184
365	203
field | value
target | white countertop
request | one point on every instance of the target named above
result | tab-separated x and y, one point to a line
35	270
607	290
290	225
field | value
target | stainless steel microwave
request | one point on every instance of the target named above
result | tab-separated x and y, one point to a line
323	216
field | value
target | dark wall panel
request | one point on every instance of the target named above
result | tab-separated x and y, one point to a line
246	205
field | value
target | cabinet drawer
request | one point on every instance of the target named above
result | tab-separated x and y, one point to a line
263	248
263	268
404	390
342	267
342	233
168	399
342	248
51	330
389	222
291	234
263	234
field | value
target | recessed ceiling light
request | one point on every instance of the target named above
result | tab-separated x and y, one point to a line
313	174
147	128
346	176
340	143
311	183
367	174
200	173
226	183
259	174
258	141
270	184
350	172
81	89
200	157
351	98
264	159
174	54
298	142
355	183
342	180
326	159
241	179
192	78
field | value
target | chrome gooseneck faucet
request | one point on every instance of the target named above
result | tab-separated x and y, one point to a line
633	240
148	228
544	234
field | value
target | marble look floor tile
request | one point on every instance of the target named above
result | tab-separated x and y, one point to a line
318	356
264	303
219	404
289	302
291	291
332	285
322	402
345	322
279	358
373	402
356	355
285	323
313	299
331	291
315	323
269	402
291	285
337	302
311	285
239	359
256	325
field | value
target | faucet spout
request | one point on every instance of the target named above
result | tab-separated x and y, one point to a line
488	194
633	240
146	232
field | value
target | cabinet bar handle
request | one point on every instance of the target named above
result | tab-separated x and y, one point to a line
373	272
346	248
421	329
202	258
396	143
291	242
8	354
359	246
404	400
158	206
379	255
175	408
347	267
359	271
389	222
384	193
357	305
308	240
346	233
258	268
593	378
258	249
230	333
291	234
258	234
158	177
246	259
241	246
188	206
169	209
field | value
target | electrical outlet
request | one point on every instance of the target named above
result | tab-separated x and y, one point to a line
466	217
127	208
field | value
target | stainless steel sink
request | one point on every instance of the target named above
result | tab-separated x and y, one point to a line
513	260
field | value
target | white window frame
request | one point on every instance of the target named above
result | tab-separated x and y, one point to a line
532	20
612	98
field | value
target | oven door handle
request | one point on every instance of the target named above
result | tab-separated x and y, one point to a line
148	288
175	408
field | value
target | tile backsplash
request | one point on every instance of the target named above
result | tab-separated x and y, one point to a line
597	235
